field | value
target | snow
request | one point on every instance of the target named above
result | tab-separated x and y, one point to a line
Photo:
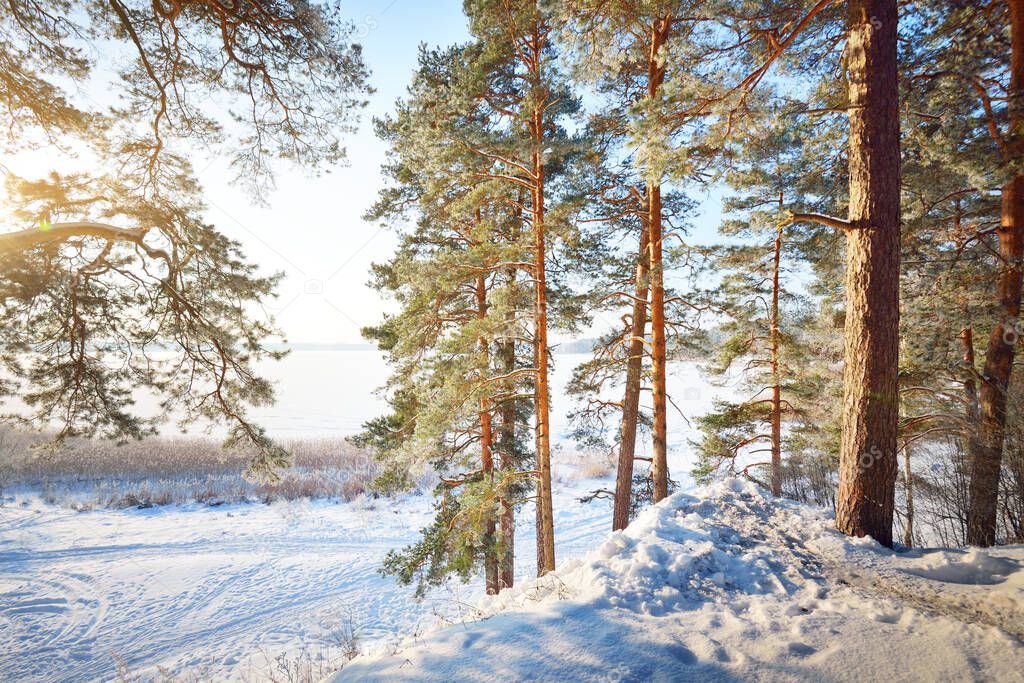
982	585
724	583
215	590
720	583
221	592
976	566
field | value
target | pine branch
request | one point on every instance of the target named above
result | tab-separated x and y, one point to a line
61	232
819	218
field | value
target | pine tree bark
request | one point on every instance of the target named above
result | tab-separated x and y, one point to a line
995	385
507	527
908	482
631	399
545	516
867	460
490	532
486	451
545	513
659	453
507	413
509	456
776	417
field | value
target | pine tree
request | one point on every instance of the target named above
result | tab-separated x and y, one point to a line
978	75
615	236
946	272
104	266
867	460
440	343
753	297
517	80
619	355
640	55
461	167
456	276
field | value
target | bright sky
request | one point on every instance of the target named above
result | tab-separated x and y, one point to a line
312	229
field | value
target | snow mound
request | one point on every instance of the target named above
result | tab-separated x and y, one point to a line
725	583
975	566
674	556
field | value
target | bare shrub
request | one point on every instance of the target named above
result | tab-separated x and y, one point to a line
323	654
583	465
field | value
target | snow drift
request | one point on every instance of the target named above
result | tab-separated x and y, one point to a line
725	583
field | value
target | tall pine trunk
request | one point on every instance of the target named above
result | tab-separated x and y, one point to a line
507	526
545	512
631	399
995	385
867	460
776	417
507	413
486	450
659	453
490	531
507	432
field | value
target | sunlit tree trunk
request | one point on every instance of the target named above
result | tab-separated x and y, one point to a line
776	416
545	513
507	412
659	454
631	398
995	386
509	460
545	519
867	461
486	451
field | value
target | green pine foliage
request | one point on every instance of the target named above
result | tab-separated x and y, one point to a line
103	268
737	109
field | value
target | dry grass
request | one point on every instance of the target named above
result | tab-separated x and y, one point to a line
160	471
577	466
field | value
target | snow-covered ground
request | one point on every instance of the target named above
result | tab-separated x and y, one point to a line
725	584
221	592
189	587
240	592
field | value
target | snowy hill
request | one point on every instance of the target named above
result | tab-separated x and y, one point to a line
724	583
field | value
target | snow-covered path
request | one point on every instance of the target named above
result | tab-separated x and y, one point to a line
191	587
219	592
725	584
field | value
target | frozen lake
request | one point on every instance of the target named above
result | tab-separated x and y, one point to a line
333	392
